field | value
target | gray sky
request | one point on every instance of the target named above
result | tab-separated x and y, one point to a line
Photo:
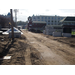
23	14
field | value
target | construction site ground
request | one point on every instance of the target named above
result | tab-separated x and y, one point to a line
37	49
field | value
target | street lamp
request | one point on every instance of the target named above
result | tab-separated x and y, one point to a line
12	24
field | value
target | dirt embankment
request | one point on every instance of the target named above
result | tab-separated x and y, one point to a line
19	50
15	49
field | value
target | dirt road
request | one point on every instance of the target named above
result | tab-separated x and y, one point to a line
37	49
49	51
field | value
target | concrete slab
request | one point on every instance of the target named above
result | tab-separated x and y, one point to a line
57	34
66	34
5	57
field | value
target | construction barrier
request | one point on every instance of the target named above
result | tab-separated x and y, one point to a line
50	31
57	34
44	32
66	34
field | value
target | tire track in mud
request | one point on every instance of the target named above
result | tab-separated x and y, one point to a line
35	55
63	50
49	56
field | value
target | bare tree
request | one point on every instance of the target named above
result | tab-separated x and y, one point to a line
4	22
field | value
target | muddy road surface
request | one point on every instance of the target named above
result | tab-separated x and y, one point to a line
44	50
37	49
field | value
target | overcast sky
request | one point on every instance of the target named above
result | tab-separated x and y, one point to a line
23	14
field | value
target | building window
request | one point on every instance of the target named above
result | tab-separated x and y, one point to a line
55	18
48	20
45	20
55	21
52	18
48	17
42	17
38	20
51	23
59	18
45	17
38	17
62	17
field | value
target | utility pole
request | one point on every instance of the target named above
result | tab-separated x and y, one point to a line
12	24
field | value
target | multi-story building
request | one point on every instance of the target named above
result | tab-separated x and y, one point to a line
68	24
35	26
50	20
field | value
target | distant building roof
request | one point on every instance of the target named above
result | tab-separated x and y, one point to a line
48	16
68	19
8	14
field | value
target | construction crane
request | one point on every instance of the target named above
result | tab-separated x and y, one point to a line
16	10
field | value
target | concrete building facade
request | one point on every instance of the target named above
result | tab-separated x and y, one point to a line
50	20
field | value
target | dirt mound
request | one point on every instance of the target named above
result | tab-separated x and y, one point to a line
15	49
35	57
